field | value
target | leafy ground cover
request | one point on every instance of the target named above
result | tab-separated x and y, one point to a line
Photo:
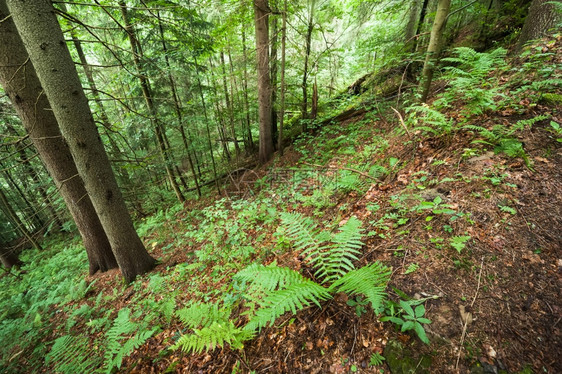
452	208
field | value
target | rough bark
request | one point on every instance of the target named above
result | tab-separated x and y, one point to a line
18	77
543	16
434	47
261	16
42	36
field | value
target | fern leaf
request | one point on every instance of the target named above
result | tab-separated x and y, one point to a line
268	278
212	336
293	298
370	281
346	246
201	315
72	354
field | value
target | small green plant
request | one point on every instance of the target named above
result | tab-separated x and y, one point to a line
409	319
376	359
508	209
459	242
359	304
412	268
557	130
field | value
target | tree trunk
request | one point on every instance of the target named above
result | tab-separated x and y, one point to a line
282	108
46	199
410	34
420	24
249	143
273	60
7	208
25	92
8	257
543	16
229	101
147	94
434	47
310	28
44	41
261	16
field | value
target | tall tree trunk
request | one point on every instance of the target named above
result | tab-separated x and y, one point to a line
261	16
308	45
229	101
44	41
543	16
249	144
274	69
7	208
410	32
434	47
46	199
147	94
420	24
282	104
177	105
221	128
25	92
208	131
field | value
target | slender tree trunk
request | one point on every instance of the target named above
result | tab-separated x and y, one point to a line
229	101
249	144
147	94
36	180
543	16
420	24
308	46
314	104
261	15
282	108
434	47
273	60
221	128
410	33
206	115
18	77
44	41
33	217
177	105
7	208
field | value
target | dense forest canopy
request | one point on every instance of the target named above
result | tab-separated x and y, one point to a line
179	178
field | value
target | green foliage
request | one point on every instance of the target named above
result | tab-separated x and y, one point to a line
123	338
459	242
376	359
410	319
72	354
214	335
424	118
470	81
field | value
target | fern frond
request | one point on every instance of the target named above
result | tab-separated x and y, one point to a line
370	281
310	241
293	298
72	354
202	315
212	336
268	278
339	259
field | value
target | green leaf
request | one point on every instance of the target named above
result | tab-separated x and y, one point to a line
408	325
420	311
407	308
421	333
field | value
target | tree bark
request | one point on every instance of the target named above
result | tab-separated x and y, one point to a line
5	204
308	46
420	24
249	143
542	17
18	77
8	257
42	36
261	17
274	68
410	33
434	47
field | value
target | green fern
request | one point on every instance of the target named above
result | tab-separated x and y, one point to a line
120	339
202	315
292	298
72	354
369	281
214	335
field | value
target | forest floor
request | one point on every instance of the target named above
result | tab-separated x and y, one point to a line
474	232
